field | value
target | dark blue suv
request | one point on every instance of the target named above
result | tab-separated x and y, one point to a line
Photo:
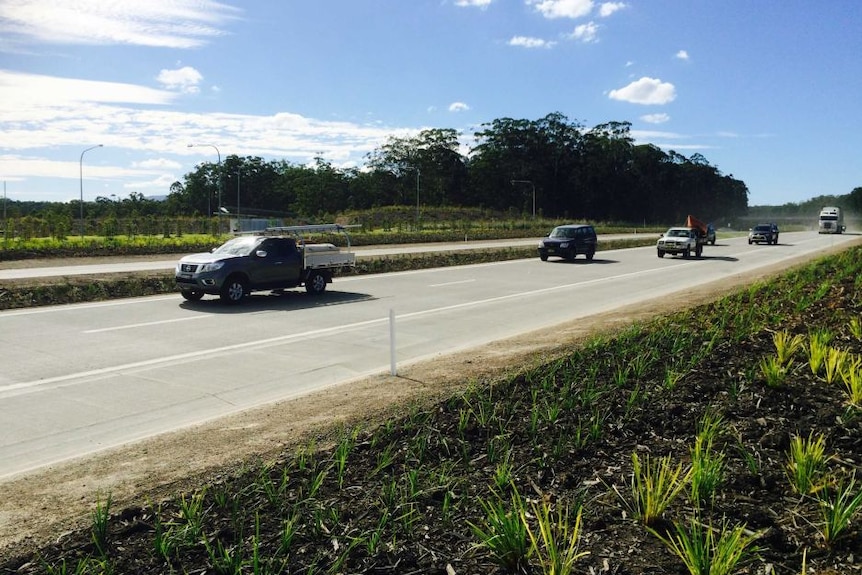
568	241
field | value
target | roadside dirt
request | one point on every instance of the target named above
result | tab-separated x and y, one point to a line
40	507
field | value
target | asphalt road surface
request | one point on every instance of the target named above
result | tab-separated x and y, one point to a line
78	379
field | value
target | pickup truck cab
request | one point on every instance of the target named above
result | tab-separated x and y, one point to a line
270	260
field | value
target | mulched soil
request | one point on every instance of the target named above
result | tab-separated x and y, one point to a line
418	483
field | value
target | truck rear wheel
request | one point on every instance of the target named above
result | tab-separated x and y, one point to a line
315	283
233	290
698	250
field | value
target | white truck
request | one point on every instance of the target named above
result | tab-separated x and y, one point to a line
831	221
274	259
684	240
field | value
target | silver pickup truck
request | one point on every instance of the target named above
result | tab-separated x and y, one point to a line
681	241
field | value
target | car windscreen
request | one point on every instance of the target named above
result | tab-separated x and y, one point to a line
238	246
563	233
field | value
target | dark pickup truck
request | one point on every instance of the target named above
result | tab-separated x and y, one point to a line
274	259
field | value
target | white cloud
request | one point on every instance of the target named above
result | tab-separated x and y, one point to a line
528	42
458	107
608	8
163	23
586	33
681	55
22	92
562	8
185	79
655	118
159	163
649	91
655	134
477	3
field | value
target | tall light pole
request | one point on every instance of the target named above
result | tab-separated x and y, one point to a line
209	207
81	174
418	173
513	182
238	224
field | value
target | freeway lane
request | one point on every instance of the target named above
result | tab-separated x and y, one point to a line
82	378
17	269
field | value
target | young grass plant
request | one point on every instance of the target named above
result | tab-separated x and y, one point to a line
654	486
834	364
707	470
851	375
855	326
838	506
786	346
774	371
707	550
100	521
806	464
818	350
554	541
504	533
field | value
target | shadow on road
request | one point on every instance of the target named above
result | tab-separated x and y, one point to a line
270	301
582	261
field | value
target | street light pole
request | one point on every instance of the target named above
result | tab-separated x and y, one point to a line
209	207
513	182
81	175
238	224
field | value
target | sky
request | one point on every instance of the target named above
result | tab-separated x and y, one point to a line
104	97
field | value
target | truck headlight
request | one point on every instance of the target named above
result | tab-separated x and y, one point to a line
211	267
564	245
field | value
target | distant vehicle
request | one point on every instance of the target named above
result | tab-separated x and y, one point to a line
710	234
568	241
831	221
274	259
763	234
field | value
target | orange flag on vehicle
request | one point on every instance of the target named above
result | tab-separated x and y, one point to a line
693	222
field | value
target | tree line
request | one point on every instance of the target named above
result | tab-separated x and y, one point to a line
551	167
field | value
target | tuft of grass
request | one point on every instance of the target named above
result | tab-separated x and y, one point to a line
503	532
707	550
554	541
838	507
786	346
774	371
806	464
654	486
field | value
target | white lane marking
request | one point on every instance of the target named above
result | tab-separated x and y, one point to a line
145	324
184	356
453	283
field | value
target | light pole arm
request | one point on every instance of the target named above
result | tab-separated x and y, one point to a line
81	180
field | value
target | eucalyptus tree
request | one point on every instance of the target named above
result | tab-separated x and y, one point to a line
427	168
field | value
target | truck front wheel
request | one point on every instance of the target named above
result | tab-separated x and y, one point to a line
315	283
233	290
661	253
192	294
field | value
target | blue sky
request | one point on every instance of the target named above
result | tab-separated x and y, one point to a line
769	91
